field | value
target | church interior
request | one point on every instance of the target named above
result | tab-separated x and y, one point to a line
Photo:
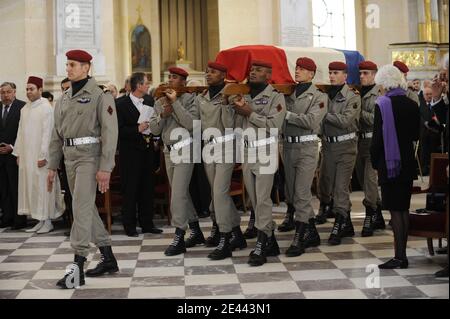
151	36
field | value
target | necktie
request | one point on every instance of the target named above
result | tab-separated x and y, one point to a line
5	114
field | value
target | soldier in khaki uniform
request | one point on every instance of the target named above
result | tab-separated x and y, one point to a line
306	108
85	132
226	233
172	112
409	92
339	149
263	108
367	176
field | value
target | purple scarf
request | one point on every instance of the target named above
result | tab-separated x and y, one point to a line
391	148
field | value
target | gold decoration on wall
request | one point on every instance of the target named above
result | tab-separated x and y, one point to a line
181	52
432	58
411	58
139	11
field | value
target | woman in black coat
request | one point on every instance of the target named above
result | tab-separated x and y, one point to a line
396	128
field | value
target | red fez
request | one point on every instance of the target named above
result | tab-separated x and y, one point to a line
337	66
79	55
36	81
262	63
217	66
401	66
178	71
307	64
368	65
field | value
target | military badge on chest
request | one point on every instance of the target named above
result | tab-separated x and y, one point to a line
84	100
262	101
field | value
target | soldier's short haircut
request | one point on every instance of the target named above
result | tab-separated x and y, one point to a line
11	84
136	79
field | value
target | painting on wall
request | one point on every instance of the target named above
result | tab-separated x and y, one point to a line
141	49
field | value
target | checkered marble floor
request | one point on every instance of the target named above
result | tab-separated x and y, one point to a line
30	265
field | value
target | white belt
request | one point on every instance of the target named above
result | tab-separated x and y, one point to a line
301	139
260	143
81	141
366	135
179	145
341	138
222	139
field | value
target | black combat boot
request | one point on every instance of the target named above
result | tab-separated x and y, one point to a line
258	255
196	237
347	227
312	237
107	264
237	239
335	236
272	249
368	229
378	219
343	227
297	247
325	211
214	238
251	231
223	250
74	277
177	247
288	223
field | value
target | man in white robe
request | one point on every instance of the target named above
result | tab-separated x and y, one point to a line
31	150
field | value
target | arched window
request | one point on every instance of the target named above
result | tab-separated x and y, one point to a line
334	24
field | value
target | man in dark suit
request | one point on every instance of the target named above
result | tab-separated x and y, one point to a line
430	138
9	123
136	156
441	104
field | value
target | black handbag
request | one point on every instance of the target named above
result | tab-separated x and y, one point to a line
436	202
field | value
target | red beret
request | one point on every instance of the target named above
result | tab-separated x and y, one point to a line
79	55
337	66
36	81
307	64
217	66
368	65
401	66
262	63
178	71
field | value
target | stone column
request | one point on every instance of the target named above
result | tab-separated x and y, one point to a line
425	21
443	20
435	21
422	21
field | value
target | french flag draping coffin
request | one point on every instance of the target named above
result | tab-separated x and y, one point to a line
238	60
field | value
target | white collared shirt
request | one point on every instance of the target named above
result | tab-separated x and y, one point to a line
138	102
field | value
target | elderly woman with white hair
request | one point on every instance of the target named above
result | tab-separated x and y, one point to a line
396	127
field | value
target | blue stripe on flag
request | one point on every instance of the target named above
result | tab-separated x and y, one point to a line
353	58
